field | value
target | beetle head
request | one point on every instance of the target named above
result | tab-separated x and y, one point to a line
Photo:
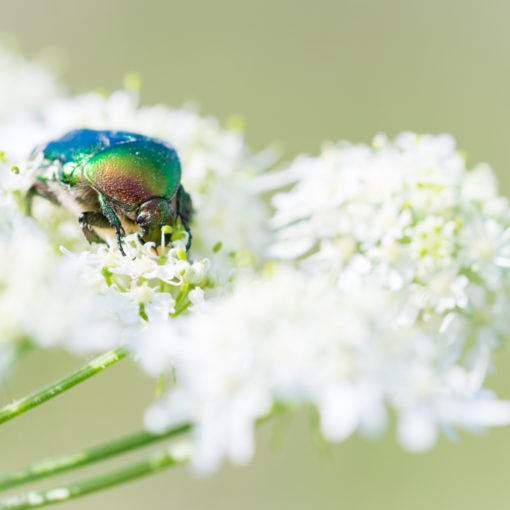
152	215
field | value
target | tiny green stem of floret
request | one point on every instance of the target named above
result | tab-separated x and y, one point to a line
162	459
95	366
71	461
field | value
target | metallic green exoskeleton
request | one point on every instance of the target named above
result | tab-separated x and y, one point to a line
113	179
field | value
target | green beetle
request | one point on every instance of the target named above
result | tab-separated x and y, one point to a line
113	179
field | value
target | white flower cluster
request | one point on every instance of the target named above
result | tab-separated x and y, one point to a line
393	293
96	300
229	224
87	303
18	94
18	99
159	280
398	296
289	338
408	215
44	298
218	170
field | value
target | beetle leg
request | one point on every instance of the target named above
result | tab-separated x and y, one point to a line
113	220
91	219
185	210
184	205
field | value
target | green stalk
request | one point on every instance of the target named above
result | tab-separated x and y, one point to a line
166	458
162	459
39	397
64	463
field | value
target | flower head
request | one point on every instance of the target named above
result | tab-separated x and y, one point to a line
18	95
410	216
394	293
218	168
44	298
157	279
290	339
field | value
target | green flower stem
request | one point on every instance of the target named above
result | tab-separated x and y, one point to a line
166	458
94	367
51	467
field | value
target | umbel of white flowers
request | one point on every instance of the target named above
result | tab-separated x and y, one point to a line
220	170
410	216
290	338
391	293
398	295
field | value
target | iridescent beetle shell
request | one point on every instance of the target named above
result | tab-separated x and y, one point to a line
133	172
113	179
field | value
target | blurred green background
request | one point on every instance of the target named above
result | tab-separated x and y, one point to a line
299	72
